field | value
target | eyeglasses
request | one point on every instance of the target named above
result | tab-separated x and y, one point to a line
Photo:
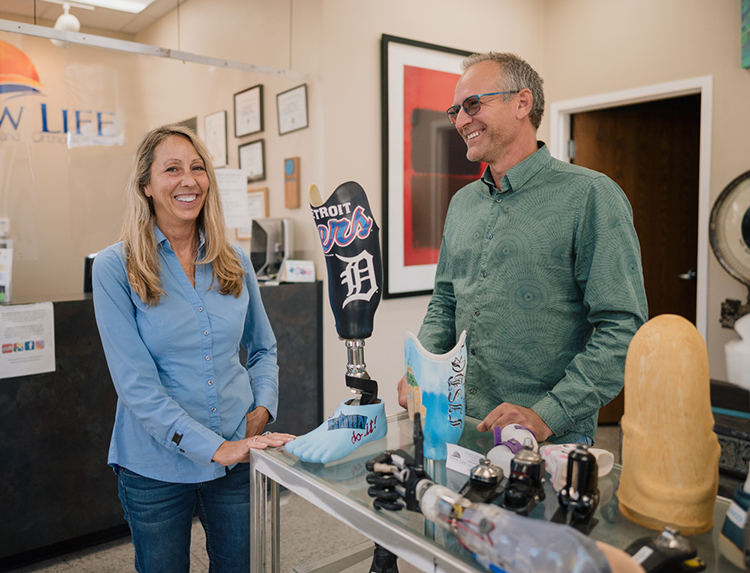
471	105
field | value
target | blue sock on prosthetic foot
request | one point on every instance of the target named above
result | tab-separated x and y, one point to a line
349	428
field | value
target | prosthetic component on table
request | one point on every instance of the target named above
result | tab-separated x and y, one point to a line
670	453
526	481
580	496
435	389
666	551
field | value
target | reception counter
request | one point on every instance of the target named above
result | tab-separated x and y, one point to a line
57	492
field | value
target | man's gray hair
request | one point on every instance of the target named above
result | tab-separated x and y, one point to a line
517	74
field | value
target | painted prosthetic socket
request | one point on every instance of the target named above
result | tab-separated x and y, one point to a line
350	427
435	389
351	245
349	236
670	453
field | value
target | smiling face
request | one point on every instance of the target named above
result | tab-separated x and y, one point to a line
178	184
491	131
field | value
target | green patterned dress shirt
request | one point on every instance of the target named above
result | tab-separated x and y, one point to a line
545	276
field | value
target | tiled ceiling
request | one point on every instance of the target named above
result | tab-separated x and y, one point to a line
100	18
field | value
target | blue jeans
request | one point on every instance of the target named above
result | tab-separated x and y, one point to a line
160	515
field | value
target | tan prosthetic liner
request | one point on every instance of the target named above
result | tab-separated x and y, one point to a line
670	454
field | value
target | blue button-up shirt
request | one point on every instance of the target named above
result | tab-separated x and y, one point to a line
175	365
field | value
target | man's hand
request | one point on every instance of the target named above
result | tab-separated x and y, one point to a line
402	389
256	421
507	413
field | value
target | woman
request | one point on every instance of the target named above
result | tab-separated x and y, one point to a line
173	301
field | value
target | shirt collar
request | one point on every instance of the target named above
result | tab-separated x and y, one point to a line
160	238
519	174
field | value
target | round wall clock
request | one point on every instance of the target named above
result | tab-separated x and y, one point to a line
729	228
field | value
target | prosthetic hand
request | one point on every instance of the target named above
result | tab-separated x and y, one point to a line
396	477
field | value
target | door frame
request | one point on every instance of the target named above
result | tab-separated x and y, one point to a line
561	111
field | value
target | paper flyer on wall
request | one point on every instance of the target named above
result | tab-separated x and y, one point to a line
27	336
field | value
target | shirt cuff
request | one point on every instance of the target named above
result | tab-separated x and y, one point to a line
267	396
196	443
554	415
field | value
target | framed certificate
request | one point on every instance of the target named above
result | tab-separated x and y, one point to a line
216	137
291	107
253	160
257	207
248	111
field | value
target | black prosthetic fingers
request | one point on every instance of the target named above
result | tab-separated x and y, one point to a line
350	239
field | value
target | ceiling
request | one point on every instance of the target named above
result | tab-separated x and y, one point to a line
100	18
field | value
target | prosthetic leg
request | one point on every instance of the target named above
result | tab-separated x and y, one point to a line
349	236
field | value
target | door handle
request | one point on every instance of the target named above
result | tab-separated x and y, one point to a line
691	275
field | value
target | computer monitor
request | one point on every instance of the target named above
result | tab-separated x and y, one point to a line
270	245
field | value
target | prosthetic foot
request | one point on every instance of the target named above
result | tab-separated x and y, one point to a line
435	389
350	427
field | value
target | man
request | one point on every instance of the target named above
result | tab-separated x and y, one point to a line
539	263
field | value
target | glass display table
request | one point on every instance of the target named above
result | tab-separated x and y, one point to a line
340	489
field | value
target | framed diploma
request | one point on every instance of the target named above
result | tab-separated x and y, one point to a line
216	137
248	111
291	107
253	160
257	207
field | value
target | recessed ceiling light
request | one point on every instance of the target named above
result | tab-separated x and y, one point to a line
132	6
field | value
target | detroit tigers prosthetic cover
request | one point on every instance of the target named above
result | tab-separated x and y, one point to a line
348	428
350	241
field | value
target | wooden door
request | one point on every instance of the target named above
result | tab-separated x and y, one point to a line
652	150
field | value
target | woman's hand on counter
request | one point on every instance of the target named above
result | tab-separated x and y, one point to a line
230	453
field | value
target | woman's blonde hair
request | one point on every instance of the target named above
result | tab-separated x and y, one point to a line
138	237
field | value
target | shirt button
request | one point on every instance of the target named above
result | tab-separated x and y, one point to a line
205	332
476	313
489	236
499	199
208	358
213	409
484	274
473	391
210	382
473	352
200	309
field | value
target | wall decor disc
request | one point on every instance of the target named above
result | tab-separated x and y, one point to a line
729	228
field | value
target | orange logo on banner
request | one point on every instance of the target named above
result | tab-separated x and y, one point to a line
17	72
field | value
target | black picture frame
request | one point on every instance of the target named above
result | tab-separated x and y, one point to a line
291	110
248	111
402	276
250	151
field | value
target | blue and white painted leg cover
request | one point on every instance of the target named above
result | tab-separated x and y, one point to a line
347	429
